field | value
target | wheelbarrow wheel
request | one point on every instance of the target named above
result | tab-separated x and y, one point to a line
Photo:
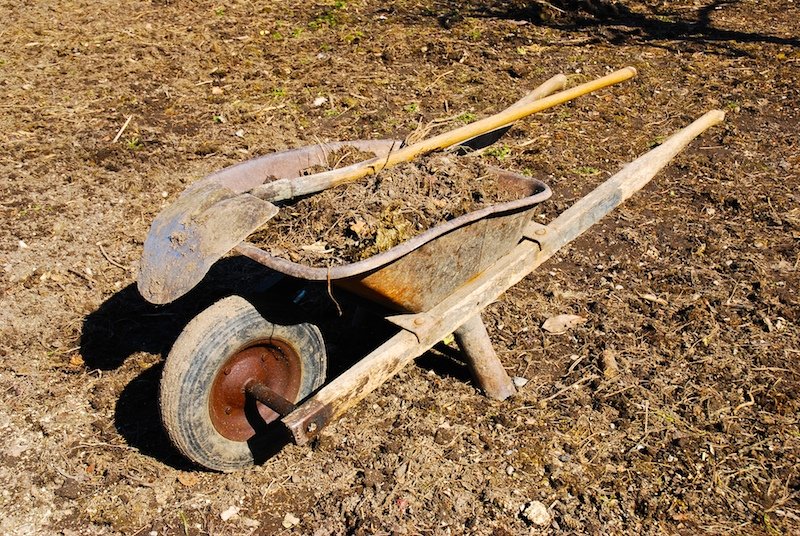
206	412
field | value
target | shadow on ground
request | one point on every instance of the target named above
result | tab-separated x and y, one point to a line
138	421
615	23
126	324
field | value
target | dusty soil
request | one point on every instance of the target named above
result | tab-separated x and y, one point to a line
361	219
672	409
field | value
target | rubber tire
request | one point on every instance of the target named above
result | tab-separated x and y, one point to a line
196	358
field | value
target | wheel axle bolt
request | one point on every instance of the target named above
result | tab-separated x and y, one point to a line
226	371
228	410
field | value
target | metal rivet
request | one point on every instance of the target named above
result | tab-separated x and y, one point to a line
541	232
228	410
419	321
311	428
226	371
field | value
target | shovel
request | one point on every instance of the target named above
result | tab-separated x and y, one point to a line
205	223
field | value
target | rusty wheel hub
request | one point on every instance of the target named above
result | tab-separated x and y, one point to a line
238	416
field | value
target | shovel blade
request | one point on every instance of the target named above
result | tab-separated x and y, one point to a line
193	233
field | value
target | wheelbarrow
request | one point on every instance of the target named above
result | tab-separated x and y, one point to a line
232	373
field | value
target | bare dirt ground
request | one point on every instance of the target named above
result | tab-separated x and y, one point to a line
673	409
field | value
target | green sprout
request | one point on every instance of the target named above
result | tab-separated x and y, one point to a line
467	117
500	152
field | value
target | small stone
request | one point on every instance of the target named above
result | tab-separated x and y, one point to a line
290	520
71	489
510	470
232	511
319	101
537	513
217	91
519	382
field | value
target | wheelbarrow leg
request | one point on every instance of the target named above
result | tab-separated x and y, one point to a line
482	359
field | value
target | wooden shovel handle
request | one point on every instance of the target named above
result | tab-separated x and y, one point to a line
556	83
288	188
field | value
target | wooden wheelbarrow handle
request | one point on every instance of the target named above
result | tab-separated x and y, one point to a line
289	188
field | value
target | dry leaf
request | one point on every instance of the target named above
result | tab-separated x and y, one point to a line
290	520
562	323
188	479
359	227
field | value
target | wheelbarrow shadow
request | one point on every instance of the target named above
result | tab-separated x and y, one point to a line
126	324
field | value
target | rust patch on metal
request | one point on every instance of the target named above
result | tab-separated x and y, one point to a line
308	421
424	277
270	398
272	363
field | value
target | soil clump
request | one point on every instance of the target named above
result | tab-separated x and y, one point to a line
354	222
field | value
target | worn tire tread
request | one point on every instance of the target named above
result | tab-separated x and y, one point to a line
195	359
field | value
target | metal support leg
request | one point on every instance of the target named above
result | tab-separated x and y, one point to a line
482	360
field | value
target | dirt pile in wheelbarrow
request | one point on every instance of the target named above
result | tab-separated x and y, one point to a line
359	220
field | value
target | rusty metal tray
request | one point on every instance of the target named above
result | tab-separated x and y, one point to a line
410	276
